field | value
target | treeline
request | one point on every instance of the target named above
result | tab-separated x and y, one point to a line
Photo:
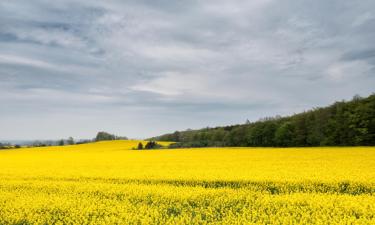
43	143
101	136
8	146
343	123
104	136
149	145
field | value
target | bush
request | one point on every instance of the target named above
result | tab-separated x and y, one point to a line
152	145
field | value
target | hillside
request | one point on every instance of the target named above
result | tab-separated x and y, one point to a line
344	123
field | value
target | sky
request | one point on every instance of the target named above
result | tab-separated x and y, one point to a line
146	67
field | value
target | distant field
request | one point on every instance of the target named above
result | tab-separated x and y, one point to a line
107	183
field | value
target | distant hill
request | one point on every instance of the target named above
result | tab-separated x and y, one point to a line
344	123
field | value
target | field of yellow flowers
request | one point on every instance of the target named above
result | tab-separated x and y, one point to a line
108	183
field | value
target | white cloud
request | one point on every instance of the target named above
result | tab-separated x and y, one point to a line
217	57
345	70
174	52
45	65
22	61
173	84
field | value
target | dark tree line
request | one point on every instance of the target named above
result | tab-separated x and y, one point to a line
101	136
104	136
149	145
343	123
8	146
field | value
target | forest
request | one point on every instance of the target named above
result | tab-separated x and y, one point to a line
344	123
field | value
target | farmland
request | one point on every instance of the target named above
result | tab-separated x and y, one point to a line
108	183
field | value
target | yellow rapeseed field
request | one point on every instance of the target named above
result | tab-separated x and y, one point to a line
108	183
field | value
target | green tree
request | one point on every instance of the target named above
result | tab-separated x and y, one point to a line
104	136
70	141
284	135
152	145
342	123
61	142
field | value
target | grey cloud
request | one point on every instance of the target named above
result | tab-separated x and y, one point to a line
367	54
120	65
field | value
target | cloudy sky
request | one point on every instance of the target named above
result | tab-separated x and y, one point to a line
145	67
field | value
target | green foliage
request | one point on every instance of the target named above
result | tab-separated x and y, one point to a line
343	123
8	146
61	142
5	145
284	135
152	145
70	141
104	136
